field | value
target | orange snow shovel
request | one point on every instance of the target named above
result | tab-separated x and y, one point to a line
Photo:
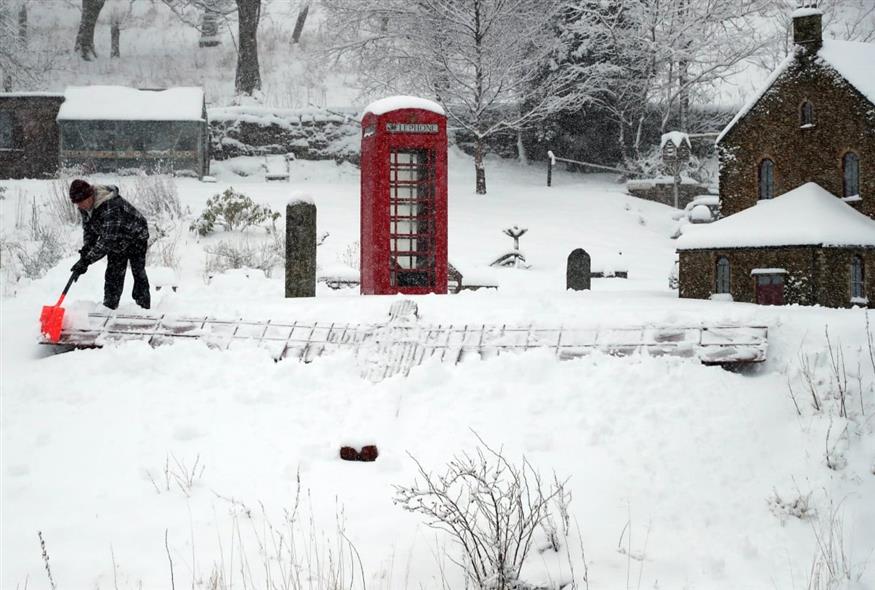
52	316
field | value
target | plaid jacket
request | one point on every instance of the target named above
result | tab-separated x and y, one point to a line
112	227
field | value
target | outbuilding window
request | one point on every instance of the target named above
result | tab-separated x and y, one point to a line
857	288
807	115
851	174
7	130
722	283
767	179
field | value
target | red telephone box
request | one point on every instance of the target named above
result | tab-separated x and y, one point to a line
404	197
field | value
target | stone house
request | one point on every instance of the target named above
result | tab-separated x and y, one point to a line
812	129
29	134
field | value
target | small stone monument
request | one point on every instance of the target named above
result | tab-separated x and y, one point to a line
577	273
300	247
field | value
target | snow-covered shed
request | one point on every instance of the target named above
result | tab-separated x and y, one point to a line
812	121
113	128
806	246
29	134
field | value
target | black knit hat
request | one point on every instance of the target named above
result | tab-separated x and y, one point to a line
80	190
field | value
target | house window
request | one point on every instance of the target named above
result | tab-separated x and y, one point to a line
7	130
722	284
767	179
807	115
851	174
857	288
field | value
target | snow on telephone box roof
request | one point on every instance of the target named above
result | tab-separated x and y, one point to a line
805	216
120	103
394	103
852	60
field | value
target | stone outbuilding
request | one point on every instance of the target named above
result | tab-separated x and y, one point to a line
820	251
29	134
113	128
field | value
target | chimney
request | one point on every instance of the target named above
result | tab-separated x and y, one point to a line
808	26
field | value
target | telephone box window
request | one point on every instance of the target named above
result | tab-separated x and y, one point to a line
767	179
857	286
411	218
851	172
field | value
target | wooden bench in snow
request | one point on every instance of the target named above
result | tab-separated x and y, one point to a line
396	345
277	168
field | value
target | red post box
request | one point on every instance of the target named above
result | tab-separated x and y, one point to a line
403	197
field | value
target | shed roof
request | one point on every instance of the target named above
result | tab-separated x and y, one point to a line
852	60
805	216
102	103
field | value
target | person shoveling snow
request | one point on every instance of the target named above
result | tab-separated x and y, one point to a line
112	227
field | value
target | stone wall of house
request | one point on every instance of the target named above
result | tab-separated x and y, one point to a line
814	275
835	275
661	190
35	135
309	134
843	121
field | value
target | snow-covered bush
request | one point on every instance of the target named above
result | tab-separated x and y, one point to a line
798	506
243	254
234	212
494	510
156	198
351	255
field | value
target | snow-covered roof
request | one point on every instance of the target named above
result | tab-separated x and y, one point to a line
808	11
394	103
676	137
101	103
37	94
851	59
805	216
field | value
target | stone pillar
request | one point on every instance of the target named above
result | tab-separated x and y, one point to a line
300	248
577	273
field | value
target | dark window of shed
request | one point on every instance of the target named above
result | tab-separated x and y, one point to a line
722	283
807	114
857	287
767	179
851	174
7	130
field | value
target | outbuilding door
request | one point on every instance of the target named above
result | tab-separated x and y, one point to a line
770	289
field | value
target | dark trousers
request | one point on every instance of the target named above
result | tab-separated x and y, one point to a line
114	280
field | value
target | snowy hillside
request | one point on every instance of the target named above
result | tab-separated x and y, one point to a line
184	466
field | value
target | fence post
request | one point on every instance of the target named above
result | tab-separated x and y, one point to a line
550	161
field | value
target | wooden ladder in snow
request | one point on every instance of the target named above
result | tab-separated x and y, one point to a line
402	342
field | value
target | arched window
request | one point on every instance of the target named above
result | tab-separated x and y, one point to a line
722	283
767	179
857	287
851	174
807	114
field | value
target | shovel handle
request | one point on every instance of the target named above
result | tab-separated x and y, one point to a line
73	277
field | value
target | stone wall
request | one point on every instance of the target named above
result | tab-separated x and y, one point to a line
843	121
310	134
661	190
815	275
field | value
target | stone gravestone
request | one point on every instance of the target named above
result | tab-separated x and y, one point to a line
300	248
577	274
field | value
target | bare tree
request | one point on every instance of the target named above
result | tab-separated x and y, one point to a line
120	13
248	77
21	67
85	37
479	58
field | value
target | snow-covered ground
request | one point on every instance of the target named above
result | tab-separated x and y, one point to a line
182	465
